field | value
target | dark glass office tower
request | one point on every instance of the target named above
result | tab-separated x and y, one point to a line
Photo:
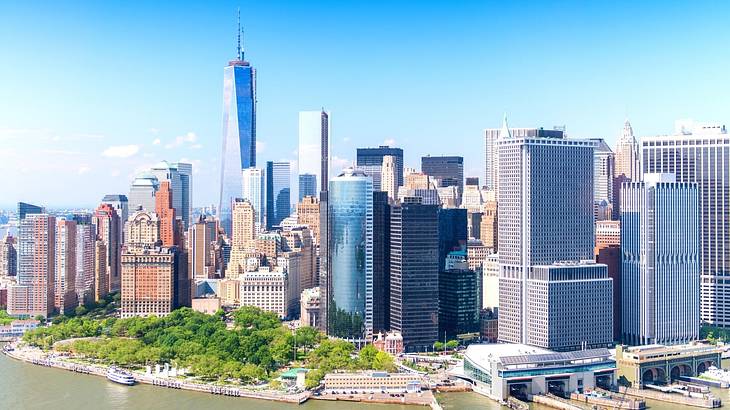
450	170
307	185
381	262
28	209
239	131
453	232
278	193
414	272
458	300
374	157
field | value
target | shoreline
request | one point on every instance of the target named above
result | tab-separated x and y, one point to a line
35	356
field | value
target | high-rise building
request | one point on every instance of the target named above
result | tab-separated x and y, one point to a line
414	273
308	214
307	185
660	269
472	199
488	229
458	298
178	176
202	236
373	157
25	209
142	193
165	211
278	193
314	147
627	154
85	257
545	197
608	233
34	292
243	235
700	153
148	281
491	135
389	177
65	299
381	261
101	275
143	230
121	204
452	233
239	131
254	190
8	257
108	225
348	283
298	240
269	290
610	255
448	170
603	171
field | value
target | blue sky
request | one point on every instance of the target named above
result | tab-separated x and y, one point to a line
92	93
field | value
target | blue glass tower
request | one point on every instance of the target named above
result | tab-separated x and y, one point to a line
349	289
239	131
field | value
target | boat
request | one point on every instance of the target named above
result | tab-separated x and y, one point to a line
120	376
713	373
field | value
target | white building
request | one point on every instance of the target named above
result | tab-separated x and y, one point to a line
490	281
660	266
700	153
254	191
268	290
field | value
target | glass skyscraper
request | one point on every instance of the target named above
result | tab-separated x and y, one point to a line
278	193
314	137
307	185
239	132
349	284
254	191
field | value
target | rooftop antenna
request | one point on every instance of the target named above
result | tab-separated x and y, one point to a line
239	53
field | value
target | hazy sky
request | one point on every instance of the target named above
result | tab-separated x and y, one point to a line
92	93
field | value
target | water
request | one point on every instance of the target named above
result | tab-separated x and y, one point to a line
27	386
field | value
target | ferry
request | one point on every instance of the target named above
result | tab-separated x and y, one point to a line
120	376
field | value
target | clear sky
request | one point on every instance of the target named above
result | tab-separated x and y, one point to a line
93	92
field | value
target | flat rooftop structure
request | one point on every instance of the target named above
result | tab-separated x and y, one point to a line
654	352
483	353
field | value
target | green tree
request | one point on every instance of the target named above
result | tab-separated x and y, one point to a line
383	361
451	345
438	346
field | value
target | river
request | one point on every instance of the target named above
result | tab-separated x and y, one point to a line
27	386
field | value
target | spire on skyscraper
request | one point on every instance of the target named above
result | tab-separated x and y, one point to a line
239	49
504	132
628	132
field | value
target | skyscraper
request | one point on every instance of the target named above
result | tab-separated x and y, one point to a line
28	209
660	248
389	177
243	234
148	281
308	214
278	193
314	132
85	256
65	280
700	153
142	193
545	196
8	257
239	130
254	191
202	236
108	225
603	170
307	185
414	272
164	208
121	204
34	292
448	170
348	289
381	262
373	157
627	154
452	233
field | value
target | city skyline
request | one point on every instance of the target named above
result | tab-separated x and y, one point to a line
87	139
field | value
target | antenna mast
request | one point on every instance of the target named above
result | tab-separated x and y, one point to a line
239	51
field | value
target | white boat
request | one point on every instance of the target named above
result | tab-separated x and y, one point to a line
714	373
120	376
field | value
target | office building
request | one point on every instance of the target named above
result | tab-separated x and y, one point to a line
314	132
307	185
278	193
297	242
244	225
309	309
389	177
178	176
452	233
65	299
8	257
603	171
472	199
660	266
608	233
491	135
381	261
347	291
142	230
33	294
373	157
85	258
25	209
627	154
101	270
490	282
308	214
108	225
142	193
458	298
148	281
477	253
164	208
448	170
239	131
414	273
202	237
545	215
610	255
269	290
254	191
700	153
488	232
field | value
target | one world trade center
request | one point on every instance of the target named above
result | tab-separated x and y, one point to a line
239	130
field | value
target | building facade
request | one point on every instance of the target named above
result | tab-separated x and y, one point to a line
373	157
449	170
108	225
660	266
142	193
278	193
314	141
65	299
148	281
254	190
